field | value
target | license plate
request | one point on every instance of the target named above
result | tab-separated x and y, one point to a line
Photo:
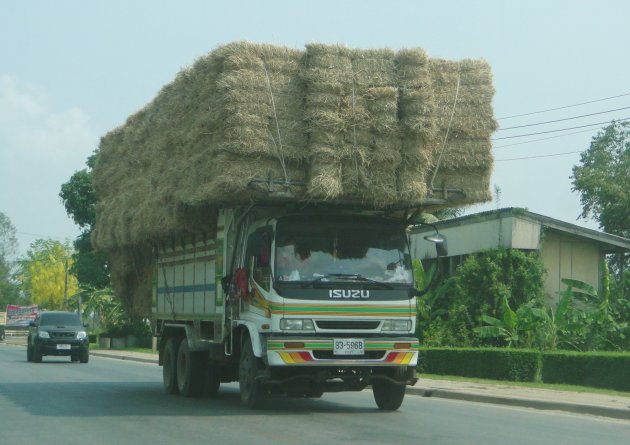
348	346
63	347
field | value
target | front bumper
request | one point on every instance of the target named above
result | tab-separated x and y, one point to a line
309	351
52	346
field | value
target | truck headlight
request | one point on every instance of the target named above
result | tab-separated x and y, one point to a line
297	324
43	334
396	325
81	335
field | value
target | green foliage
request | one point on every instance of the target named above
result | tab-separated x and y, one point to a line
89	266
79	199
599	370
492	363
594	321
485	279
594	369
103	310
603	181
506	328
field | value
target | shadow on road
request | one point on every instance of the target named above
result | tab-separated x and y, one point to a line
88	399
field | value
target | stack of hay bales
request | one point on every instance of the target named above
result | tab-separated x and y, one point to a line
465	162
352	111
362	126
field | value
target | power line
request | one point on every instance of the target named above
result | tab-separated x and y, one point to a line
561	129
542	139
562	108
564	119
539	156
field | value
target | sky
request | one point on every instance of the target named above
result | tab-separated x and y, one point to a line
71	70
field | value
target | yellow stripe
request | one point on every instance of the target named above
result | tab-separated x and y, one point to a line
286	357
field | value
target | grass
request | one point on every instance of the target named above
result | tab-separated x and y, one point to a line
555	386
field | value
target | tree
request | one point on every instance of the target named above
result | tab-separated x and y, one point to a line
45	274
79	199
603	179
8	246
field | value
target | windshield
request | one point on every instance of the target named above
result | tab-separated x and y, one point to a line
69	319
341	249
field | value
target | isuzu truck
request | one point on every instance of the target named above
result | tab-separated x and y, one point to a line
291	302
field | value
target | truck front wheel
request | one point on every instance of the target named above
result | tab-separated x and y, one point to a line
169	366
387	394
253	393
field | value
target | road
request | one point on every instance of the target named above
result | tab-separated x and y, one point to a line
119	402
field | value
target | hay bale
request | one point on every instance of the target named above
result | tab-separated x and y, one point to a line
132	276
354	125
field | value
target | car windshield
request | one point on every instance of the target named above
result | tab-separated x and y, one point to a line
69	319
341	249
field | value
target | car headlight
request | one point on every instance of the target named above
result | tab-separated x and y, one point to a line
81	335
43	334
297	324
396	325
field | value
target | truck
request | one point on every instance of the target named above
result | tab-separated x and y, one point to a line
256	212
288	302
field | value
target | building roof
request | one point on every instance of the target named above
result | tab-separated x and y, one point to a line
610	243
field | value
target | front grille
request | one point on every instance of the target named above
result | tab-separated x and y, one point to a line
348	324
328	355
61	334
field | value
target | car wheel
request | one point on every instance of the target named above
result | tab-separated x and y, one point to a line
169	366
84	357
74	358
253	393
36	355
29	352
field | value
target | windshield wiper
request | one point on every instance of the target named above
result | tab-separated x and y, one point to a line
351	277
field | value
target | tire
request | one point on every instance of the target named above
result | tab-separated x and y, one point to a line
169	366
29	351
253	393
74	358
85	356
36	355
190	371
388	395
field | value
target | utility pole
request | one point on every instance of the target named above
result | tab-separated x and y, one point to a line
65	284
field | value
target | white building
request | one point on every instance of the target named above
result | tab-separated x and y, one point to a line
567	250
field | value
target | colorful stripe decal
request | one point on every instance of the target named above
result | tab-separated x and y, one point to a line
377	310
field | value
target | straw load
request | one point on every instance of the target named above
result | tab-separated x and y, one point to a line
327	123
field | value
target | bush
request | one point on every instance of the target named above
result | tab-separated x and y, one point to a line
595	369
491	363
598	370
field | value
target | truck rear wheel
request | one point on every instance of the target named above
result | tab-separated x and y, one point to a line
169	366
190	378
253	393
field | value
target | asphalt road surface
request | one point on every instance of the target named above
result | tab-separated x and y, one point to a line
110	401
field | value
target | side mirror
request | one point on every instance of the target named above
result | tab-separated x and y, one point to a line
440	243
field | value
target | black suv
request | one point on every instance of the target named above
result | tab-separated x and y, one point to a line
57	333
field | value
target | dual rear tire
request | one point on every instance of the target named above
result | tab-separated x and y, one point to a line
186	372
